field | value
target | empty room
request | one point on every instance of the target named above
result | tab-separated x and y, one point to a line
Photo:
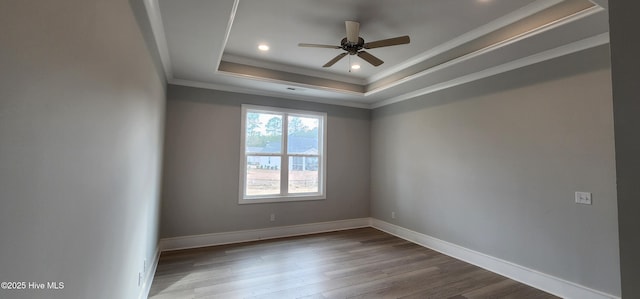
319	149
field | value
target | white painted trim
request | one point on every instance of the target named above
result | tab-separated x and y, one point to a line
244	90
284	195
602	3
536	279
149	275
227	33
157	27
177	243
580	45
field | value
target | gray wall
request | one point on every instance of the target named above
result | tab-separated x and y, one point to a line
493	166
81	123
202	152
625	46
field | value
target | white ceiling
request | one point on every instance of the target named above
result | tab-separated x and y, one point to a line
213	43
282	24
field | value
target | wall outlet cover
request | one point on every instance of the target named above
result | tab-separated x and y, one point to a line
583	198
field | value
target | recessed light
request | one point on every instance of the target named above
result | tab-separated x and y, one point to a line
355	67
263	47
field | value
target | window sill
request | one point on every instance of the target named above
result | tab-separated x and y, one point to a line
256	200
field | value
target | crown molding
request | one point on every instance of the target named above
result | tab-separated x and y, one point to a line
245	90
584	44
227	33
157	28
285	78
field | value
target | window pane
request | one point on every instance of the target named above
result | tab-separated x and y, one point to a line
264	133
263	175
303	174
303	135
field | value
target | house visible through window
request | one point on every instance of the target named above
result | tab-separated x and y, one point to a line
282	167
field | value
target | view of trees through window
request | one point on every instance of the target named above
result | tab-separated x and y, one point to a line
265	156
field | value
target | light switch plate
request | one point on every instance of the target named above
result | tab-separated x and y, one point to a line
583	198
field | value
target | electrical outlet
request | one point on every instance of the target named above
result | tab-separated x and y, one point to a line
273	217
393	215
583	198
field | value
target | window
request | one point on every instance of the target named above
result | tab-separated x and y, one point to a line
278	167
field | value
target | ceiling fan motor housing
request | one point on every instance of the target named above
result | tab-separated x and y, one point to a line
352	48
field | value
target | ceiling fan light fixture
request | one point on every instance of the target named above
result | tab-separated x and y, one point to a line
263	47
353	44
355	67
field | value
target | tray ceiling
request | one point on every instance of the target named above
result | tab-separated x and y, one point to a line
214	44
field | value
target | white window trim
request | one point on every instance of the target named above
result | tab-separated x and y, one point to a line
322	156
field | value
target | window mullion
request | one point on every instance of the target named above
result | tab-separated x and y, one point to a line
284	160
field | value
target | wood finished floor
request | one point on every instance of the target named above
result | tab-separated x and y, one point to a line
359	263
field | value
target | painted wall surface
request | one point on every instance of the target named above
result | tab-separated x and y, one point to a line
202	165
625	47
493	166
81	127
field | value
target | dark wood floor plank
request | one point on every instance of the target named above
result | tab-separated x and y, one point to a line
359	263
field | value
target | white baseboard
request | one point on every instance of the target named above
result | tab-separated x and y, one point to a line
536	279
149	275
195	241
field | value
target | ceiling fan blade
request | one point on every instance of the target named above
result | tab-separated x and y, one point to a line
400	40
318	46
370	58
334	60
353	31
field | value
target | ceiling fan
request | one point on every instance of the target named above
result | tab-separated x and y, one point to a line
353	44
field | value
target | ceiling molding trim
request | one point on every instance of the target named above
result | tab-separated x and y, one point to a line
157	28
501	22
580	45
287	83
268	75
602	3
243	90
504	43
226	57
226	34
